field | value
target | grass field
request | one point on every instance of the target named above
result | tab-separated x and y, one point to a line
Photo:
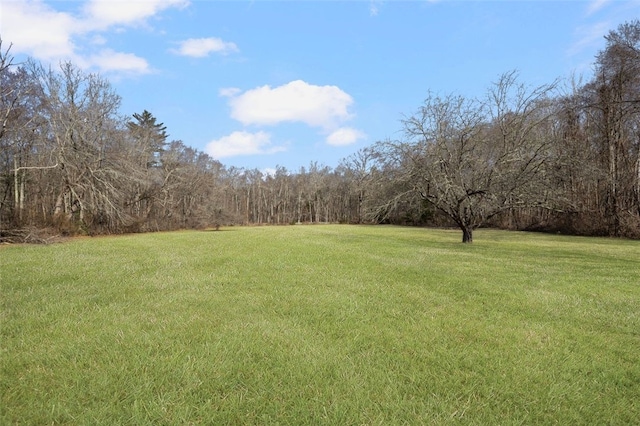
344	325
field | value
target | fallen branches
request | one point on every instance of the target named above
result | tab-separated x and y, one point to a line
28	235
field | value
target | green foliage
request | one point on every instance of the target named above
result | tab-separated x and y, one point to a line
151	137
321	325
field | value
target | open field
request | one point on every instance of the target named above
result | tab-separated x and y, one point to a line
321	325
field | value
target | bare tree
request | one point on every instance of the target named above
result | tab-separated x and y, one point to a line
613	101
475	159
8	93
81	113
21	121
358	169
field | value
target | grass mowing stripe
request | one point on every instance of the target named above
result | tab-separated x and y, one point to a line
321	324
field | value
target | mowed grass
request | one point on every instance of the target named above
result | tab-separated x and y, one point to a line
344	325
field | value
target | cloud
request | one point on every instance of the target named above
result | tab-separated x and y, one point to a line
242	143
344	136
269	172
36	29
229	92
596	5
589	37
373	8
201	47
108	60
102	14
323	107
297	101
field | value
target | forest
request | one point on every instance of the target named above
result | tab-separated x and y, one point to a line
560	157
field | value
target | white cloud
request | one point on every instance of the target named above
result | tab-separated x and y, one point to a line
98	40
297	101
36	29
108	60
344	136
201	47
229	92
242	143
102	14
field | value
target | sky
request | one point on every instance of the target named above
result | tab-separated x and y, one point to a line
266	84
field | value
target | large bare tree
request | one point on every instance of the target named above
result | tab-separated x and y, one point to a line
473	159
82	127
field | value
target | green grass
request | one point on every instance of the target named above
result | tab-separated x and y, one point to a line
339	325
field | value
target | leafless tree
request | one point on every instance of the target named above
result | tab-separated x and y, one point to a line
613	102
520	157
82	125
474	159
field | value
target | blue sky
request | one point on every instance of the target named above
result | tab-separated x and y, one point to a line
260	84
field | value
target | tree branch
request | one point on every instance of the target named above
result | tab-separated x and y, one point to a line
34	168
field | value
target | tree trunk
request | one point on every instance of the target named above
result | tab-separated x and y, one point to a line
59	207
16	190
467	234
637	182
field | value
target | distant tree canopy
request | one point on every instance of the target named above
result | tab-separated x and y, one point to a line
542	158
149	137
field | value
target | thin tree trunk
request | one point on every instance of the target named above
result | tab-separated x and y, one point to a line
21	201
638	182
16	188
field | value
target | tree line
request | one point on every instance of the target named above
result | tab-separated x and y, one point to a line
559	157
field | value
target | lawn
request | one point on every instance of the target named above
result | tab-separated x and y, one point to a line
326	324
